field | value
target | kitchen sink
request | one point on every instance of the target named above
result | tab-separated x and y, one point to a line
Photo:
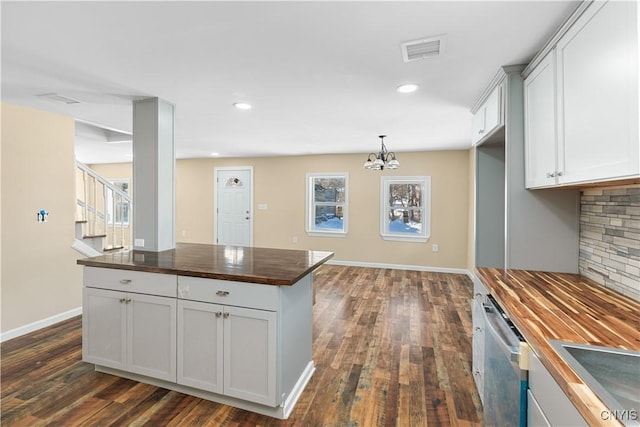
613	374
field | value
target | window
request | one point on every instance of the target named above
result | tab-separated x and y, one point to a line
405	208
327	204
118	206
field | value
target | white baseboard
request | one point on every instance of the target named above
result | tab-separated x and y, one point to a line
401	267
22	330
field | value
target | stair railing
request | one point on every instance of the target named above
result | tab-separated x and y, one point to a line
104	209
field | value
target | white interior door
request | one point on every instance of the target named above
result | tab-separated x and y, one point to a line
234	216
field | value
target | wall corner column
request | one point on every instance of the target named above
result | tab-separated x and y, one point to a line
154	162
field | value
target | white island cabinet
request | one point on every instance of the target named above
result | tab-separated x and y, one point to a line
228	324
133	331
229	349
246	345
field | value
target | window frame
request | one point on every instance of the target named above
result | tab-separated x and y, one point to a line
311	203
385	233
111	208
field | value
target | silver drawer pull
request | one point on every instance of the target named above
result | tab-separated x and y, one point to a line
222	293
126	281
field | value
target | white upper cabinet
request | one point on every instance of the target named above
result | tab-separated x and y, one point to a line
487	118
540	124
594	127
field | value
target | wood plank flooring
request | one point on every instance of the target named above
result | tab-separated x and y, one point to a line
391	348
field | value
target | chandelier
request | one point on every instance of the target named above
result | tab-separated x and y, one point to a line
384	159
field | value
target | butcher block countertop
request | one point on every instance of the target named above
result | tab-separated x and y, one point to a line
566	307
282	267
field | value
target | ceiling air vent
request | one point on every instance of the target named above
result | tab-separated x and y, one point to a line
424	48
59	98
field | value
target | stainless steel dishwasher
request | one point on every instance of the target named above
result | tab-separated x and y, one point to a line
505	370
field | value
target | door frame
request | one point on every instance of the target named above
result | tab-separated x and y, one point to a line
216	170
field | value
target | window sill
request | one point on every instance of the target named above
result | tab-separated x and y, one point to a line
340	234
416	239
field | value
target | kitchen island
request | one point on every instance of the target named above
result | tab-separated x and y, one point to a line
228	324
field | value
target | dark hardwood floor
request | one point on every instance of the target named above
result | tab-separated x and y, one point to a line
391	348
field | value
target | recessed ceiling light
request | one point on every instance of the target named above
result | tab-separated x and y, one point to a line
215	154
242	106
407	88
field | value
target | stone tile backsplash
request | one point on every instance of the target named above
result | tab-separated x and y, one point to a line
610	238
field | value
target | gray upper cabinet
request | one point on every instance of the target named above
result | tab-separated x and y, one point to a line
581	100
515	227
488	117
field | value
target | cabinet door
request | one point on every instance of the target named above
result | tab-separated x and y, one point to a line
200	332
104	327
488	117
493	110
598	108
540	124
151	339
477	349
478	125
250	355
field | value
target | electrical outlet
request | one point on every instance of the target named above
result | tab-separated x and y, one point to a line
295	240
262	207
435	247
139	243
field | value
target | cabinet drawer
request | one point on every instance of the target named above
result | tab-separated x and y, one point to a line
552	401
226	292
131	281
535	415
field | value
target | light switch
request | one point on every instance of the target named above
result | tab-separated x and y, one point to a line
262	206
139	243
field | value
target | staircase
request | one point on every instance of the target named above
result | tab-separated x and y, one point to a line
103	214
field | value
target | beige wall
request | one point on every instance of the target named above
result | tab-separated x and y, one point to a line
471	219
280	183
40	277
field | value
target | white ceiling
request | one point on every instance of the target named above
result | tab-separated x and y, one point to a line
321	76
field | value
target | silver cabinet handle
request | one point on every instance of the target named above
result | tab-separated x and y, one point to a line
222	293
218	314
551	174
225	315
123	300
558	173
126	281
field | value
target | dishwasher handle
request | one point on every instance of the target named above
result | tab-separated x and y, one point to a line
514	352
